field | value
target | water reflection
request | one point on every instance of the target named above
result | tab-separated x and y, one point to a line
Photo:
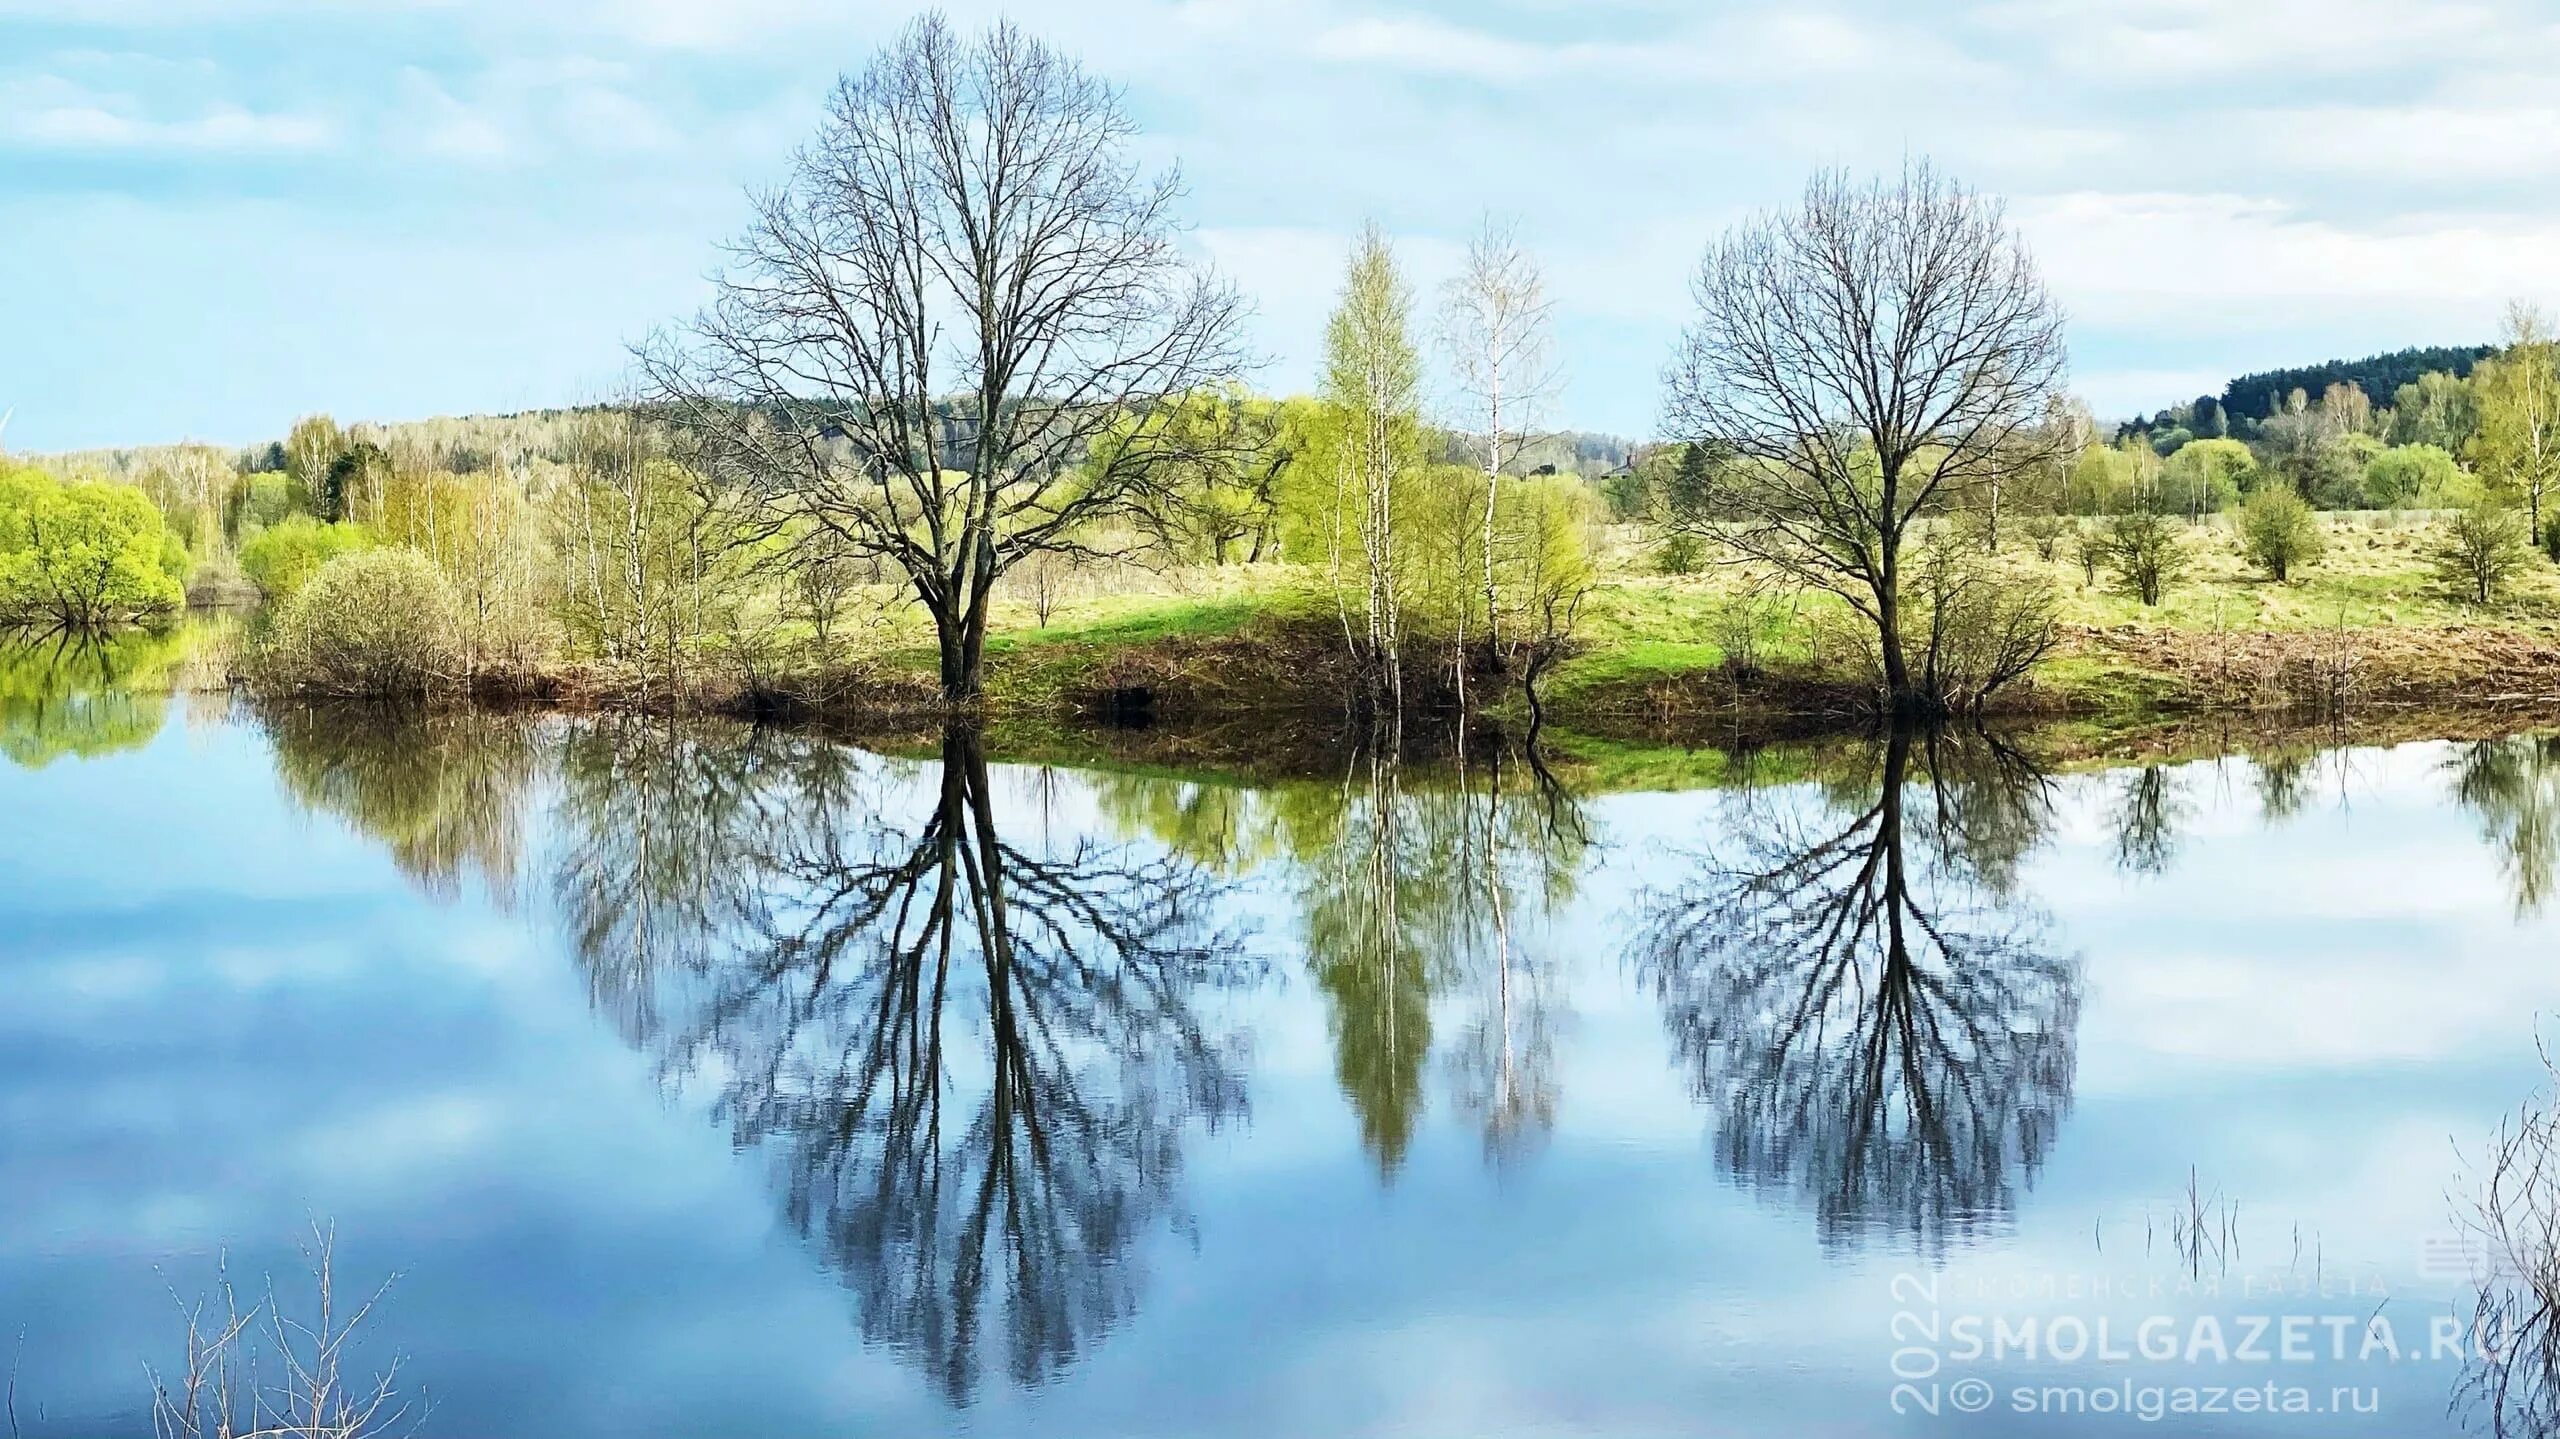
1878	1018
974	1060
2146	815
445	794
1407	891
1416	888
2512	786
83	695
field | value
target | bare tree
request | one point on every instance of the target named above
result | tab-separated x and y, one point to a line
1867	359
964	283
1493	322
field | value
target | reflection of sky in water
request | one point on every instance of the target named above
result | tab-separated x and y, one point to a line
222	1015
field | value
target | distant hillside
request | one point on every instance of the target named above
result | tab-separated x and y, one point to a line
2254	397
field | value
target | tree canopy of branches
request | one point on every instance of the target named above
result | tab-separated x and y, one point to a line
965	281
1879	353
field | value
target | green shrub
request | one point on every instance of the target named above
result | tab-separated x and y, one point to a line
2279	533
2144	552
2481	548
2045	532
85	555
2411	475
282	559
373	623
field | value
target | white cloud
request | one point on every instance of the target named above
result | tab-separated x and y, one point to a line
50	113
447	128
2196	42
2167	262
2431	143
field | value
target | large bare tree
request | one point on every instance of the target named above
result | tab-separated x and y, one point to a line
1873	356
964	282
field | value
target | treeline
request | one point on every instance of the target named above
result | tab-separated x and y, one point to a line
2252	398
2486	420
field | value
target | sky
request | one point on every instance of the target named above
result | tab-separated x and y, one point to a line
218	215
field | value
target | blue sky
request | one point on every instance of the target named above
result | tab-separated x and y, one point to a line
220	214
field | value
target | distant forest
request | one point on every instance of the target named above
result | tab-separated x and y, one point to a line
2255	397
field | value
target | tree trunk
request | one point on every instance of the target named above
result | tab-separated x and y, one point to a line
1897	668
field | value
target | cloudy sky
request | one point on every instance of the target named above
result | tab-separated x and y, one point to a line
219	214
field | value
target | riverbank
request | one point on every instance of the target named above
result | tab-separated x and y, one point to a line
1670	658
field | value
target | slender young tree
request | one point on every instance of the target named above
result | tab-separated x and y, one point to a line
964	283
2519	402
1881	352
1372	393
1494	324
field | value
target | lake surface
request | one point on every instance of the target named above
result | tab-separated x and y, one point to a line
698	1081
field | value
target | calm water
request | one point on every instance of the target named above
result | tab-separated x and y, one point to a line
704	1082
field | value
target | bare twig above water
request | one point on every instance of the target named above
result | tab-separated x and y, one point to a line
219	1391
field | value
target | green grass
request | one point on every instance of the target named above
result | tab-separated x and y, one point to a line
1638	630
1139	619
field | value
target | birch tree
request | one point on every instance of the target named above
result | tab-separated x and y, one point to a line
1372	393
1494	325
2518	446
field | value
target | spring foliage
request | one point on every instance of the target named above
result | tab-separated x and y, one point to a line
370	624
84	555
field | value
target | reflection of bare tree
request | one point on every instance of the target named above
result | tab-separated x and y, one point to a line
974	1062
2146	815
2511	1373
658	860
444	793
1877	1020
2513	786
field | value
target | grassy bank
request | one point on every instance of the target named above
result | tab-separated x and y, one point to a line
2369	627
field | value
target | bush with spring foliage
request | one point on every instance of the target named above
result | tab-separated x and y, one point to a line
280	560
2279	533
374	624
2143	550
2481	549
85	556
